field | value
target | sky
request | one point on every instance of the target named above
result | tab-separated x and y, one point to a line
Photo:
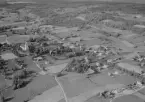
132	1
46	1
2	1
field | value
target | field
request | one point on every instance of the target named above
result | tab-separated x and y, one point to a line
35	88
18	38
142	91
101	81
129	98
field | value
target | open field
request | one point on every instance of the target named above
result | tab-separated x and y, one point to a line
18	38
104	79
69	86
2	38
128	98
98	99
35	88
56	68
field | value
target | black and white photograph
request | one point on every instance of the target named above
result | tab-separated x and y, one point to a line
72	50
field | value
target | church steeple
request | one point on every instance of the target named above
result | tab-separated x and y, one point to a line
25	46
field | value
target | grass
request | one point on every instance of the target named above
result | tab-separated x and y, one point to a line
8	56
34	88
75	84
128	98
18	38
96	99
142	91
103	79
31	65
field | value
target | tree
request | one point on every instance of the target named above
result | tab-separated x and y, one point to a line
27	19
32	49
17	82
143	81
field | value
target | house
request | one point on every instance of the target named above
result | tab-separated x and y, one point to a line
38	59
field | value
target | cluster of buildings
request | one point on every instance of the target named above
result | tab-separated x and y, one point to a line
95	60
140	59
112	94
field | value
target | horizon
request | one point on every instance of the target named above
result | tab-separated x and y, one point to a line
103	1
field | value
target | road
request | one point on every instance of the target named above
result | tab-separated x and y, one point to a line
61	89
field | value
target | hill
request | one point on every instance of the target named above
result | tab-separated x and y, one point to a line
48	1
3	2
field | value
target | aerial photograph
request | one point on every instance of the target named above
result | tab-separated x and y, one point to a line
72	50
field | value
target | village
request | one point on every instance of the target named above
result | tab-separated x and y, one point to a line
75	54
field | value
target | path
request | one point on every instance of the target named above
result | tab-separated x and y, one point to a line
42	72
61	89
